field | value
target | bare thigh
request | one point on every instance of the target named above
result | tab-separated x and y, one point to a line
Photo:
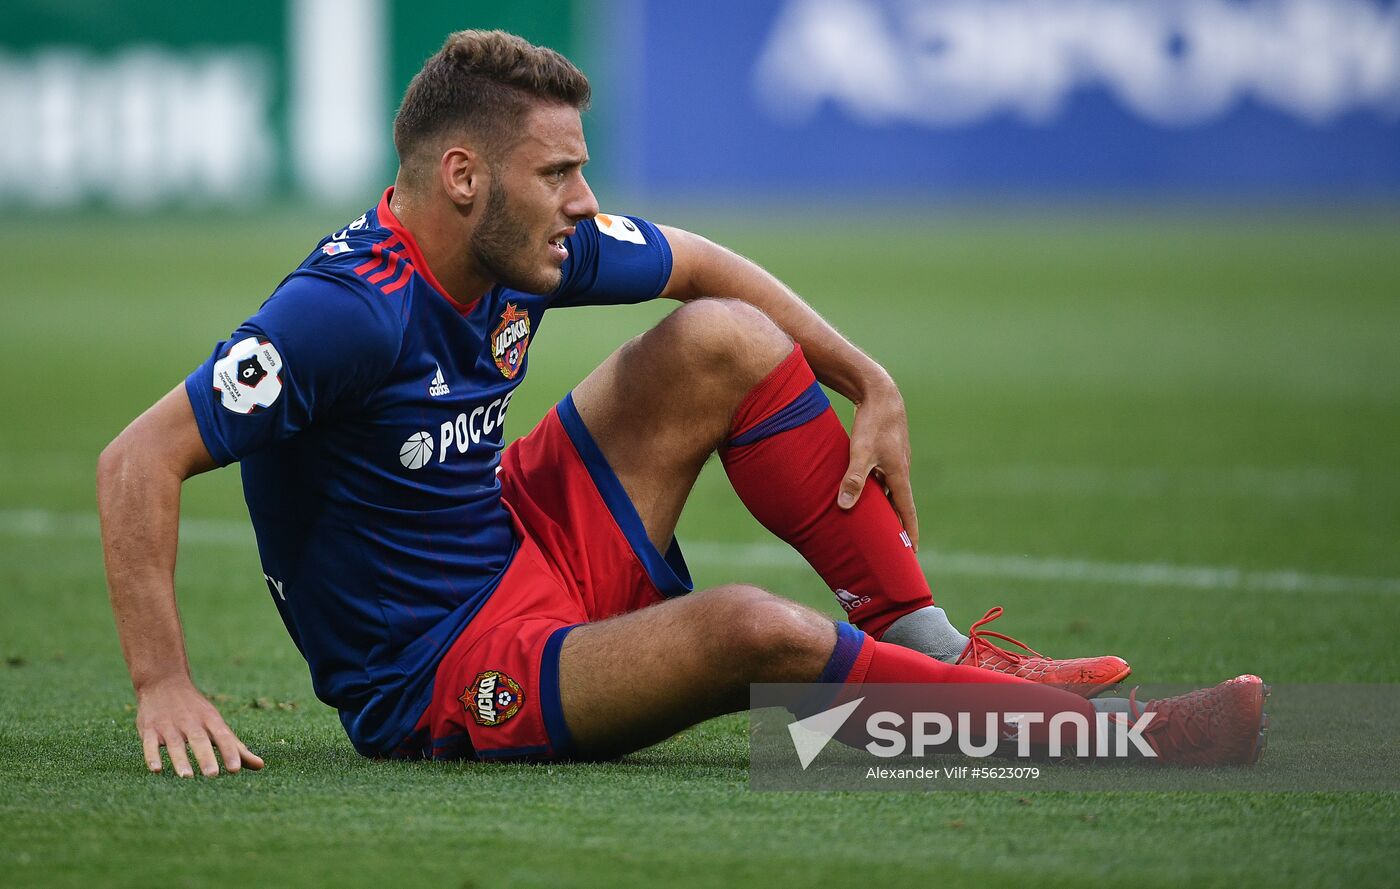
660	405
633	680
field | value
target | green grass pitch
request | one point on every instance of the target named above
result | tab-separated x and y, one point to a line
1101	403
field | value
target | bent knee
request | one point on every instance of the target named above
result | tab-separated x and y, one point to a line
768	637
727	335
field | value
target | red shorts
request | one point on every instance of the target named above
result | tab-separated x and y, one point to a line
583	556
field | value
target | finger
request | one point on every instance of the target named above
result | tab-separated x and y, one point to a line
902	496
879	476
250	759
853	482
150	746
175	749
228	749
204	754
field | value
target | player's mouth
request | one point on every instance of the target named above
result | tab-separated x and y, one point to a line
556	245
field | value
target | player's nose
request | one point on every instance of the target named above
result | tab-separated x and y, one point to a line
581	203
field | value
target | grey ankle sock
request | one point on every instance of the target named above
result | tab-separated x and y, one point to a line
929	632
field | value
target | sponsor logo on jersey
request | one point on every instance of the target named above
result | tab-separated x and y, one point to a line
417	451
335	247
467	429
493	698
849	600
248	377
619	228
510	340
438	386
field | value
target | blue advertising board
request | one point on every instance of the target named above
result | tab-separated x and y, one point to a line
1286	97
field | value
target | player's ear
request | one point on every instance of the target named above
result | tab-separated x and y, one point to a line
461	171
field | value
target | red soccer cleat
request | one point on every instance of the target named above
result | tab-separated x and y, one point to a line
1224	725
1087	676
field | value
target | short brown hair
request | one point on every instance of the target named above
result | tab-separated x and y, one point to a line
482	83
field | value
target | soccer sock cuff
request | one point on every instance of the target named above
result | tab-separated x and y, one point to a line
785	399
845	669
849	659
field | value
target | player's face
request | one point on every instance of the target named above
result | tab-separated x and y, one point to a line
537	196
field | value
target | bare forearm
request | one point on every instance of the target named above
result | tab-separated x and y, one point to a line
138	497
836	361
880	430
139	504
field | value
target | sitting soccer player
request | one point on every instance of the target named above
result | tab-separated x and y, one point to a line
457	598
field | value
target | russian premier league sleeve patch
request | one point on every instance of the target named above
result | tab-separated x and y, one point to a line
249	377
620	228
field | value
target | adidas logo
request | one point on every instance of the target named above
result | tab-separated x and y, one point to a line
439	385
850	601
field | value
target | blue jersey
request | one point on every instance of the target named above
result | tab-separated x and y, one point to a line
368	410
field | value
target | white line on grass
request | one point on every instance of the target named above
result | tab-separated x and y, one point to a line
1012	567
1287	484
38	523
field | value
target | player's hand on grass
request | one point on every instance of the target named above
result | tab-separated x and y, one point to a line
174	715
880	445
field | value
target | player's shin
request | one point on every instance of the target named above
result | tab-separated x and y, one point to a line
786	455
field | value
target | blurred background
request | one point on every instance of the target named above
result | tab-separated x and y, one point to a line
1135	264
143	105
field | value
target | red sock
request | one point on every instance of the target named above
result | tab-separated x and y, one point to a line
786	457
859	659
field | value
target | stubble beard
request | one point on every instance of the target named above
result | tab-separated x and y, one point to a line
502	245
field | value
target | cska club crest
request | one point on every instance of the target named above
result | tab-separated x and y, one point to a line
493	698
511	339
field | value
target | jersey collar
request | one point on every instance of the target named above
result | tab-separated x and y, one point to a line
415	256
